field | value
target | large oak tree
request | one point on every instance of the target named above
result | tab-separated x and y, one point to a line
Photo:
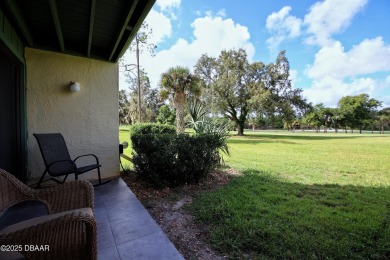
235	87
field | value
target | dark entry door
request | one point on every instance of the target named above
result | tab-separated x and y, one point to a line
11	143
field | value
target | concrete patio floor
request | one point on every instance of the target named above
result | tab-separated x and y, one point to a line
125	228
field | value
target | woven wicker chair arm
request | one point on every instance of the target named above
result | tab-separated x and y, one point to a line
69	196
65	235
12	190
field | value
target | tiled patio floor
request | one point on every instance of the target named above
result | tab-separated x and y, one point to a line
125	228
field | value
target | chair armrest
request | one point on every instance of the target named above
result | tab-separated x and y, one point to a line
12	190
69	196
65	235
85	155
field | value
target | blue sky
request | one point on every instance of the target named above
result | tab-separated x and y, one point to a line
335	47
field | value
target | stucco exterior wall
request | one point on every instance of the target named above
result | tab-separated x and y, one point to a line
88	119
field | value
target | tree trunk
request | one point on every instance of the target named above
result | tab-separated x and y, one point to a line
326	127
138	82
240	126
179	102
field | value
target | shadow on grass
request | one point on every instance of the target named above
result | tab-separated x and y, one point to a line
283	138
259	140
260	215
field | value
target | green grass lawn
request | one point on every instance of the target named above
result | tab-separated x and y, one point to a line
302	196
124	136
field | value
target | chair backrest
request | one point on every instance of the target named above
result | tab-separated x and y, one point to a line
53	148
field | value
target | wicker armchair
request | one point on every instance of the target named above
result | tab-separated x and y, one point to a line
69	231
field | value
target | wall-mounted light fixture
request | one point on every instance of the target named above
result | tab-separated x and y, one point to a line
74	86
122	146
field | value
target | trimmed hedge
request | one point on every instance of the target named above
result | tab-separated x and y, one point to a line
196	156
152	128
164	158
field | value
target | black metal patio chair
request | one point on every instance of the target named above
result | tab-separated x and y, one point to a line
57	160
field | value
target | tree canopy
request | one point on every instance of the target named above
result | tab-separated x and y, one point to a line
236	88
247	93
129	105
178	82
357	111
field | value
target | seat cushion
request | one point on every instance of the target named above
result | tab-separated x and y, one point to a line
22	211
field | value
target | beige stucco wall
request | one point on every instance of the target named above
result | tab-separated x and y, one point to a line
87	119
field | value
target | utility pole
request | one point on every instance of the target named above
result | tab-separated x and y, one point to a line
138	79
141	38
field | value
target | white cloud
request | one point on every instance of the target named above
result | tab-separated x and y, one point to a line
168	4
324	19
274	42
169	7
382	92
293	77
212	14
161	26
282	25
215	34
369	56
221	13
388	80
211	35
329	90
329	17
337	73
282	22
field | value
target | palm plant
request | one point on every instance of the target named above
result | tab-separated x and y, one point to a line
202	124
196	109
178	82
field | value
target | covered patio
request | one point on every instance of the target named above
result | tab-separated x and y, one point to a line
125	228
45	45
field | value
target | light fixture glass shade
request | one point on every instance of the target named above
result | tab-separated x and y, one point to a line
74	86
125	145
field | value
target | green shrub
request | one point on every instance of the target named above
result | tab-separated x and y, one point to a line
151	128
166	115
196	156
153	151
154	157
165	158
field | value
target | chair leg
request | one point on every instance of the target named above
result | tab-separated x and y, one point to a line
41	179
66	176
100	179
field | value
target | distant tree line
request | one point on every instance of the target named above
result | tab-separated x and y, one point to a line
353	112
249	94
